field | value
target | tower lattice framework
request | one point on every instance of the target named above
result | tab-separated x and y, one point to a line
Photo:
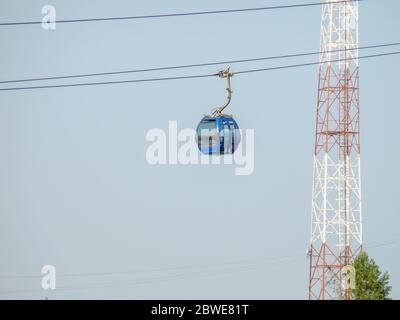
336	222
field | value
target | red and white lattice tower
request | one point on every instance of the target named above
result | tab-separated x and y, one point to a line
336	224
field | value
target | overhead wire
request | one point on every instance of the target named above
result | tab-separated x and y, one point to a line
272	261
190	275
173	268
296	55
182	14
195	76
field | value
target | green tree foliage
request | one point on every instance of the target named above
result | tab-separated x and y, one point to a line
370	283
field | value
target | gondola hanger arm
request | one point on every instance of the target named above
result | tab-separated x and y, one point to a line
228	75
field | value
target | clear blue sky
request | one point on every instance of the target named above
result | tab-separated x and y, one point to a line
76	190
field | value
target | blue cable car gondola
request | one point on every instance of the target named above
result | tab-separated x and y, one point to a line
219	133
